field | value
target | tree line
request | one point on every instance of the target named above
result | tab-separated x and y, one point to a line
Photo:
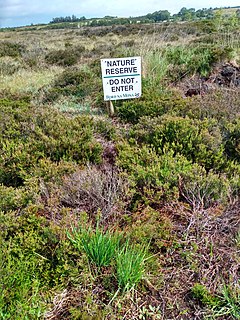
158	16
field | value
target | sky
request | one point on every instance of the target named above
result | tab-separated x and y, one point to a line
15	13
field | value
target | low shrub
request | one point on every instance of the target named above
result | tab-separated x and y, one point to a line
151	227
154	176
65	58
73	82
220	104
9	65
14	199
232	140
34	259
198	141
153	103
29	135
203	189
93	189
11	49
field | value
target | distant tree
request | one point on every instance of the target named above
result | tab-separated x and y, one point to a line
161	15
186	14
73	18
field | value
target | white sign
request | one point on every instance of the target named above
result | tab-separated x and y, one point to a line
121	78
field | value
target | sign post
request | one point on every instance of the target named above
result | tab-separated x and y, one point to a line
121	79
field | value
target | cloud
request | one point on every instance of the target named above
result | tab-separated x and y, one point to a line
20	12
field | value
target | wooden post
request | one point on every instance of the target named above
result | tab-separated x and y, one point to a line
110	108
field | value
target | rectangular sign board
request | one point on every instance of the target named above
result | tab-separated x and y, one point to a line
121	78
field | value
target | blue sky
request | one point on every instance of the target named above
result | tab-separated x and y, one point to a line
25	12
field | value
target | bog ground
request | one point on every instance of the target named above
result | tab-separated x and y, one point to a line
134	216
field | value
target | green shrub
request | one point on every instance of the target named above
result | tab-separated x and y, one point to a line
73	82
153	103
203	189
20	286
10	49
151	227
14	199
155	176
232	140
199	141
29	135
34	259
67	57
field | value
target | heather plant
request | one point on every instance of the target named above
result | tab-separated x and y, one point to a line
73	82
11	49
154	102
31	134
198	141
155	176
231	139
20	286
67	57
92	189
9	65
203	189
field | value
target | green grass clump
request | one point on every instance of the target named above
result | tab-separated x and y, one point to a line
99	247
104	249
130	266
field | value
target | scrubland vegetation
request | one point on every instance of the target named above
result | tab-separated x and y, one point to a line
131	217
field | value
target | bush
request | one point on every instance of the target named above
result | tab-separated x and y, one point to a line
11	49
33	260
67	57
14	199
153	103
155	176
29	135
203	189
198	141
232	140
73	82
95	189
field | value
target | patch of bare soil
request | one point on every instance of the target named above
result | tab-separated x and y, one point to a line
224	75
